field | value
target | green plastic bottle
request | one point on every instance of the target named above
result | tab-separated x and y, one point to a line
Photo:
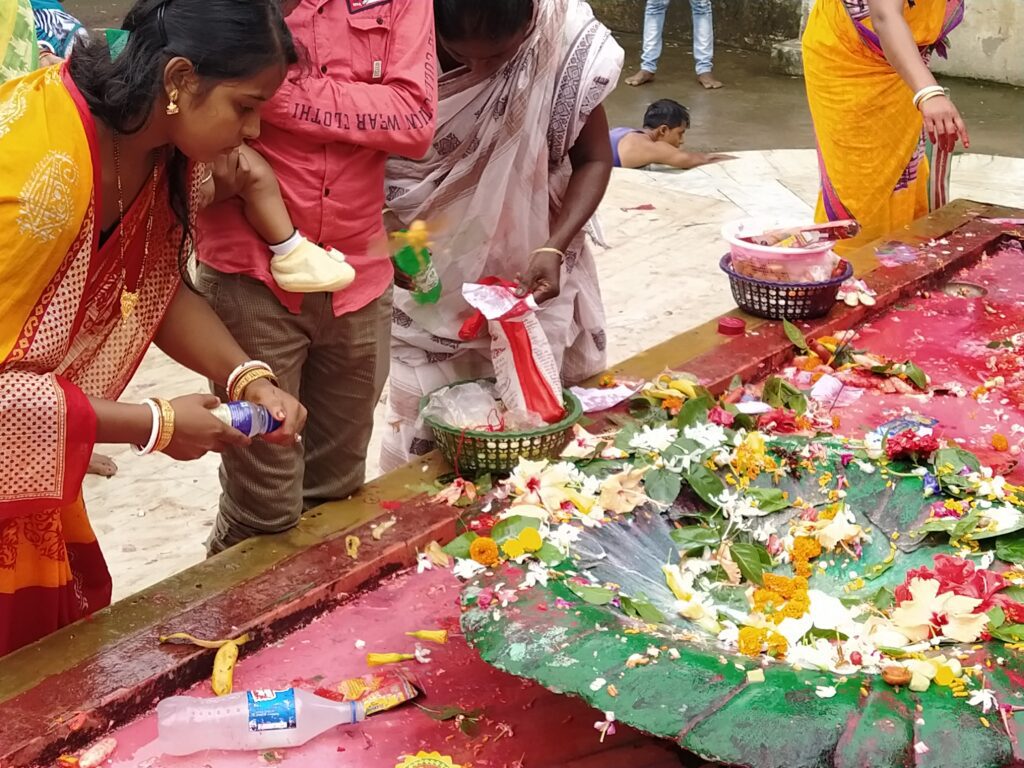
412	256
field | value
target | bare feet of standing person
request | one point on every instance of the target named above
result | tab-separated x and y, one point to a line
709	81
643	77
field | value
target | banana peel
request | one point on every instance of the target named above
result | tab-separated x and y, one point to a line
222	679
670	384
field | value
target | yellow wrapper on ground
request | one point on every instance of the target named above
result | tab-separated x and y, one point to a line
377	693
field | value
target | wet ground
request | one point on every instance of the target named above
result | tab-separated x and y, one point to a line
756	110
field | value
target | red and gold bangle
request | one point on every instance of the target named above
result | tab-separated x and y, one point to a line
237	392
166	426
236	387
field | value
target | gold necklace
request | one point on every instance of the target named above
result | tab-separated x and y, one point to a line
129	299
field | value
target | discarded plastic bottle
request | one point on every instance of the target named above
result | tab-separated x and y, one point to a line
412	256
255	720
248	418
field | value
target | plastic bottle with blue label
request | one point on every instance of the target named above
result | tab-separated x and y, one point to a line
255	720
248	418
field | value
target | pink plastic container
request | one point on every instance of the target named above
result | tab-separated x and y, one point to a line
773	263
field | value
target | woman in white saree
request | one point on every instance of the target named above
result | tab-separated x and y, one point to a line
519	164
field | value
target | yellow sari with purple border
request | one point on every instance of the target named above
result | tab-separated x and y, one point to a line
63	339
875	163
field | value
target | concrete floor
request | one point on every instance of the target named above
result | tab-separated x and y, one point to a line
757	110
761	110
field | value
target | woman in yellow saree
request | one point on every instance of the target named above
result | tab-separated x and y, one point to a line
100	166
871	94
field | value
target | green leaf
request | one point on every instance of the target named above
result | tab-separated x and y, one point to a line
443	714
876	570
965	525
916	375
460	547
957	458
996	618
1015	593
694	538
641	608
511	527
705	484
779	393
592	595
625	435
883	599
662	485
694	411
748	557
549	554
769	499
1010	549
794	335
1008	633
741	420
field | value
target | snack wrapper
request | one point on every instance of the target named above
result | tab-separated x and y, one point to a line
524	366
378	693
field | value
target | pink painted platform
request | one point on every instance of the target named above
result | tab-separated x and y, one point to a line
548	730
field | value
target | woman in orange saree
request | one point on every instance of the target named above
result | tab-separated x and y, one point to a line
101	161
875	103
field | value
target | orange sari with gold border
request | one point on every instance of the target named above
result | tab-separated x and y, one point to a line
62	340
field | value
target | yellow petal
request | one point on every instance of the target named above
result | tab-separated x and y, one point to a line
513	549
439	636
530	539
380	659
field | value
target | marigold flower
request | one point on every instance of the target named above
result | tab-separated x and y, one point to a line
484	550
766	598
673	405
806	548
750	640
777	644
1000	443
783	585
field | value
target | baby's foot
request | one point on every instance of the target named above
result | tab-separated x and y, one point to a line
308	268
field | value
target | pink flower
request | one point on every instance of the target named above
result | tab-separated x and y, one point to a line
721	417
960	577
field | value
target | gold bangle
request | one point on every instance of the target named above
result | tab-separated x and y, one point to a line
242	382
166	426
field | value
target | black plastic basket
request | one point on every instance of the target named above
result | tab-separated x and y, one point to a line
784	301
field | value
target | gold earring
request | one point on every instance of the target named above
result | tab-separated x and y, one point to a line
172	105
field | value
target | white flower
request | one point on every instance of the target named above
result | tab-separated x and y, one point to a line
696	566
865	467
706	434
422	654
730	635
987	485
736	506
764	531
820	655
466	569
984	698
541	483
655	440
1002	518
829	613
873	445
598	684
825	691
360	644
423	562
536	573
564	536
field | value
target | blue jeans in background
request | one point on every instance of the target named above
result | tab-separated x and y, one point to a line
703	35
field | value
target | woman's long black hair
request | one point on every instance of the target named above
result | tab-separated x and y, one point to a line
224	40
484	19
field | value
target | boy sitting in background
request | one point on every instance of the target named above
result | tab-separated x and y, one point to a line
665	124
